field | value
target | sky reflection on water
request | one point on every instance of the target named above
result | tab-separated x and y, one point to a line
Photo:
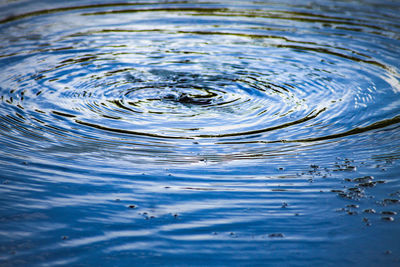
199	133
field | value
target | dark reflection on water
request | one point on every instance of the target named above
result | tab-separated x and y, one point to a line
199	133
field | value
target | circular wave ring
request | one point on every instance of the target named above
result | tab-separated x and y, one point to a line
283	77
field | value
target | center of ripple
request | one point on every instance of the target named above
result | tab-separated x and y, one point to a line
192	104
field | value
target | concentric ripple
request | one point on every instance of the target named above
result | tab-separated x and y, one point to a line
225	112
238	74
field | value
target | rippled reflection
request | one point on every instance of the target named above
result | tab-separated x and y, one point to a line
164	129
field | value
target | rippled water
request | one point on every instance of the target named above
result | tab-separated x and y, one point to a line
199	133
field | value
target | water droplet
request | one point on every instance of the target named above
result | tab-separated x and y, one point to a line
336	191
369	211
368	184
387	212
363	179
389	219
390	201
279	235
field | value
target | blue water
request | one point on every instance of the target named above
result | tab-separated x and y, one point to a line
199	133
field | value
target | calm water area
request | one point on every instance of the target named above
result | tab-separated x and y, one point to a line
199	133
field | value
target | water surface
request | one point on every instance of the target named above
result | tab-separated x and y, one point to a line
199	133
